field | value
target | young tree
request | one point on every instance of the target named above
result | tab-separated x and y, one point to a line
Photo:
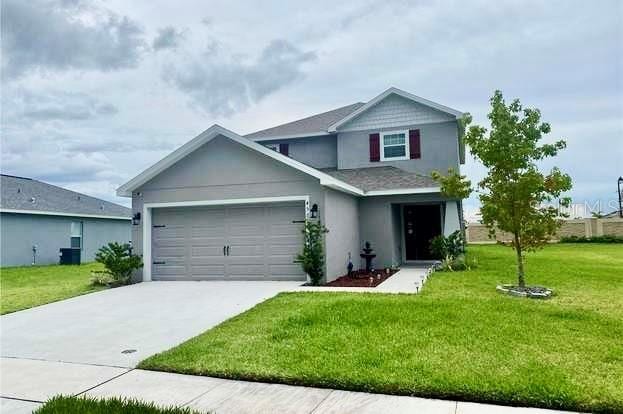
514	195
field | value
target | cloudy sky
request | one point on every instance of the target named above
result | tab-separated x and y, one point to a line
93	92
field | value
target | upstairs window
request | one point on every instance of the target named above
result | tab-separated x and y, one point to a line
76	235
395	145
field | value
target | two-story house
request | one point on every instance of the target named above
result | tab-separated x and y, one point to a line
225	206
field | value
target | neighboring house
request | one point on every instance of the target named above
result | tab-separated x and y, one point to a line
224	206
37	219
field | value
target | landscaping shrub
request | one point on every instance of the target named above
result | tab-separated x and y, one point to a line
312	256
595	239
119	263
452	246
67	405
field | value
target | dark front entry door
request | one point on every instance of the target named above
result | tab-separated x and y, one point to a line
421	223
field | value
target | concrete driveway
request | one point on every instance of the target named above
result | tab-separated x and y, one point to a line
146	317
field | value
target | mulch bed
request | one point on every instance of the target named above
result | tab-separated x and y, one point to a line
361	278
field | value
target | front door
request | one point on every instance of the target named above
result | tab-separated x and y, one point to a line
421	224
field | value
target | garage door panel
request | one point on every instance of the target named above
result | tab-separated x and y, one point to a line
285	269
251	270
295	240
252	250
168	232
209	232
169	270
208	271
207	252
170	253
263	242
288	250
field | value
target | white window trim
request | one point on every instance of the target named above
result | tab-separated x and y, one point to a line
382	145
80	236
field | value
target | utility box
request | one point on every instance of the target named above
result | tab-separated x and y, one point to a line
69	256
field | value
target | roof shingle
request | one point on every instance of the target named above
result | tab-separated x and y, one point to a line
19	193
310	125
381	178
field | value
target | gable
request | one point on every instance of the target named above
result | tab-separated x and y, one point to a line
395	111
223	162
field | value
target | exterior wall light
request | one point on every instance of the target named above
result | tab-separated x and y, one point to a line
314	211
136	219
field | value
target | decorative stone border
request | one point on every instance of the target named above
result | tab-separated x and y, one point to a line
533	292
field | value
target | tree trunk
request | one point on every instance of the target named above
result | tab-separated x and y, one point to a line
520	272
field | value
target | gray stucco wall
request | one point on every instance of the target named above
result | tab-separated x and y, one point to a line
341	217
222	170
19	232
379	222
317	152
439	145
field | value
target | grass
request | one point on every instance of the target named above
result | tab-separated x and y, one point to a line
69	405
28	286
458	339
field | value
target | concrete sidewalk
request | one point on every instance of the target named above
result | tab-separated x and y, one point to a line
25	384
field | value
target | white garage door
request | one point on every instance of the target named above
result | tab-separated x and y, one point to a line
243	242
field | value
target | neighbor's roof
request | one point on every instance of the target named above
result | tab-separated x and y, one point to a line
310	126
383	178
26	195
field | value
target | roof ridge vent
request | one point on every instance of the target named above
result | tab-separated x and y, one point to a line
33	200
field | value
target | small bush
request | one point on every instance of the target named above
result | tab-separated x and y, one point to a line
312	256
456	264
596	239
119	262
452	246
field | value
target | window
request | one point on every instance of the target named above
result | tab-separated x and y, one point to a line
274	147
395	145
76	235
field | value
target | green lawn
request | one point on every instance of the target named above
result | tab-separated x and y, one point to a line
458	339
69	405
28	286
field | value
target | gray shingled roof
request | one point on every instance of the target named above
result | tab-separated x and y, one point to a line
19	193
381	178
309	125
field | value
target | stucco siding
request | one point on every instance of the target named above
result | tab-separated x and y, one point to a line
395	111
50	233
224	170
439	146
317	152
341	218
